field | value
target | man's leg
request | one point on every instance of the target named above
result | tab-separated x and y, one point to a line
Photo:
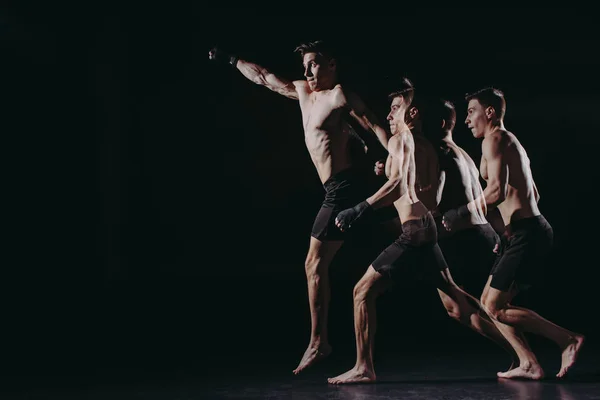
320	255
492	303
508	317
371	285
466	309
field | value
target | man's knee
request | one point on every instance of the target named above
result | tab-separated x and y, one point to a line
312	262
461	313
454	311
361	291
492	309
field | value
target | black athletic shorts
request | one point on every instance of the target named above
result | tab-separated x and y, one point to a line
416	251
470	254
523	253
344	190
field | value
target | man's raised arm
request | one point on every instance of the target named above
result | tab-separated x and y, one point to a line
366	118
256	73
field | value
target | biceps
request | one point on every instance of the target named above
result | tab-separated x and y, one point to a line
497	174
281	86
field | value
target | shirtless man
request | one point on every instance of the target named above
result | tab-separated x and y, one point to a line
416	249
526	243
325	106
469	247
426	159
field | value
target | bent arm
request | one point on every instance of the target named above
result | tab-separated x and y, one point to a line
261	76
497	170
368	120
389	192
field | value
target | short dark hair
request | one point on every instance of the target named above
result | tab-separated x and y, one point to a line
319	47
490	97
406	90
447	114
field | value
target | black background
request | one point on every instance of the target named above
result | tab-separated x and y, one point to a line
159	206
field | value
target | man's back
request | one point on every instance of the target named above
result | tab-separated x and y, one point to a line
427	172
460	183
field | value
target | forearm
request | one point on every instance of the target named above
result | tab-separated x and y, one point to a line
386	195
489	199
382	135
253	72
261	76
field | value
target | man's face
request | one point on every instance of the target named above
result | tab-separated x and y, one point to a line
316	70
395	116
476	118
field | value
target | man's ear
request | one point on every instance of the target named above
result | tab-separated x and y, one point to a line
490	112
413	112
443	123
333	64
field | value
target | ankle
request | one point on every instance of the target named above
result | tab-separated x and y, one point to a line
528	364
318	343
363	367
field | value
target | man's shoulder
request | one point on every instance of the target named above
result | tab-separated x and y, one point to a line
500	134
496	138
300	83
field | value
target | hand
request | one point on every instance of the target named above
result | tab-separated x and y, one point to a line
451	217
347	217
379	168
222	56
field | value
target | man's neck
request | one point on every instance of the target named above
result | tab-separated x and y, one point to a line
415	128
493	128
447	138
401	127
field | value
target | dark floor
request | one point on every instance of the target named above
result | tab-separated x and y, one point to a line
433	374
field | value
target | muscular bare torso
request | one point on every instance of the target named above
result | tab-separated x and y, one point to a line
323	115
521	194
401	160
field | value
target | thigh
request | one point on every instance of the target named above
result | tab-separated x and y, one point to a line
373	283
322	251
324	228
396	260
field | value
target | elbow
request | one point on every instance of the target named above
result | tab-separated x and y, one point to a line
260	80
493	194
393	183
497	196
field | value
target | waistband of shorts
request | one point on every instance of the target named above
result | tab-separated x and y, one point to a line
420	220
345	174
526	223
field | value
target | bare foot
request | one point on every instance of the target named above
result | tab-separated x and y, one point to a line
355	375
569	355
525	371
312	355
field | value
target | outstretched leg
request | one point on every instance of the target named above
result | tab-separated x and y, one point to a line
508	317
466	309
320	255
371	285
